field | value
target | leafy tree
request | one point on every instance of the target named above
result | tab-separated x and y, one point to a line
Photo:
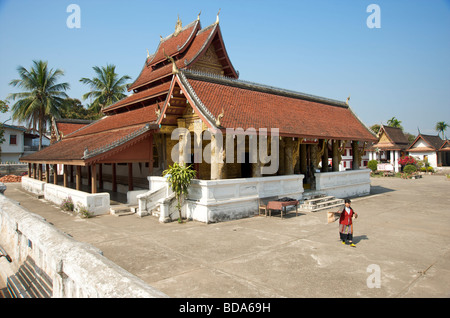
180	177
375	128
43	97
394	122
441	126
106	88
3	109
76	110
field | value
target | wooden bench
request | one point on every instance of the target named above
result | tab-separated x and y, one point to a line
281	205
262	204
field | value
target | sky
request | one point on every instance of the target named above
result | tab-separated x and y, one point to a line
393	61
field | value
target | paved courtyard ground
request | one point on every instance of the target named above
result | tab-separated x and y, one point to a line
403	230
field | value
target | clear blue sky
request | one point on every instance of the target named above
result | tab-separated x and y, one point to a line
324	48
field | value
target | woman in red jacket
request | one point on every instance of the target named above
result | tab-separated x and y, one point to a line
346	224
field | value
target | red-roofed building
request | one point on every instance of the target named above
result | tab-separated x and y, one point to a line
190	85
431	148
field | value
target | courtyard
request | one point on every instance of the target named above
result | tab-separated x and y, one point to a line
402	248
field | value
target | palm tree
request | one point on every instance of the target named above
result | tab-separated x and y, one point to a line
441	126
106	88
43	97
394	122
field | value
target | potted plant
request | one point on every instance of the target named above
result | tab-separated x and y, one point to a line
179	178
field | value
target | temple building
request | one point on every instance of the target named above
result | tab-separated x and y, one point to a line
431	148
391	146
188	103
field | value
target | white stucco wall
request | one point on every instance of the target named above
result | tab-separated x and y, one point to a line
344	184
77	270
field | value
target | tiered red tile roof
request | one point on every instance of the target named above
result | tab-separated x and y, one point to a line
250	105
245	105
96	136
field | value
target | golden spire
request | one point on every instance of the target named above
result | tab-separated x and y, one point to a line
348	98
217	18
178	26
198	17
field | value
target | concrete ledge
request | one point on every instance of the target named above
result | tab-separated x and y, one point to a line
33	185
344	184
97	203
77	269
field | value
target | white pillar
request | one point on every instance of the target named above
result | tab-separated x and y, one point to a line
396	161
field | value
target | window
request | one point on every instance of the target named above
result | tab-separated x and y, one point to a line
13	139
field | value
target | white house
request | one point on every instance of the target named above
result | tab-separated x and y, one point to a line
427	148
19	142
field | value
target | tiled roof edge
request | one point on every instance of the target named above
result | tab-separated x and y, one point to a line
214	78
209	116
89	154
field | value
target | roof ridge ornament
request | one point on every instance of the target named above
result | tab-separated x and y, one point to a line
346	101
178	27
198	16
217	18
219	117
174	66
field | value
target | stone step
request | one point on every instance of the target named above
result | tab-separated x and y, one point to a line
318	200
29	282
321	203
4	293
315	209
122	210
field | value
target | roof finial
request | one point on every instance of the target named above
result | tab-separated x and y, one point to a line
198	17
174	66
148	54
348	98
217	18
178	26
219	117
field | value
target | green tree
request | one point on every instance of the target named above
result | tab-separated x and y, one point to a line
3	109
394	122
441	126
106	88
179	177
42	98
76	110
375	128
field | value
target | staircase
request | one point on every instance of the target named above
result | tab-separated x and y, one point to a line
29	282
321	202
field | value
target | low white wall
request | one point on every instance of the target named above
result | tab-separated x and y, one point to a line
77	269
344	184
97	203
220	200
33	185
